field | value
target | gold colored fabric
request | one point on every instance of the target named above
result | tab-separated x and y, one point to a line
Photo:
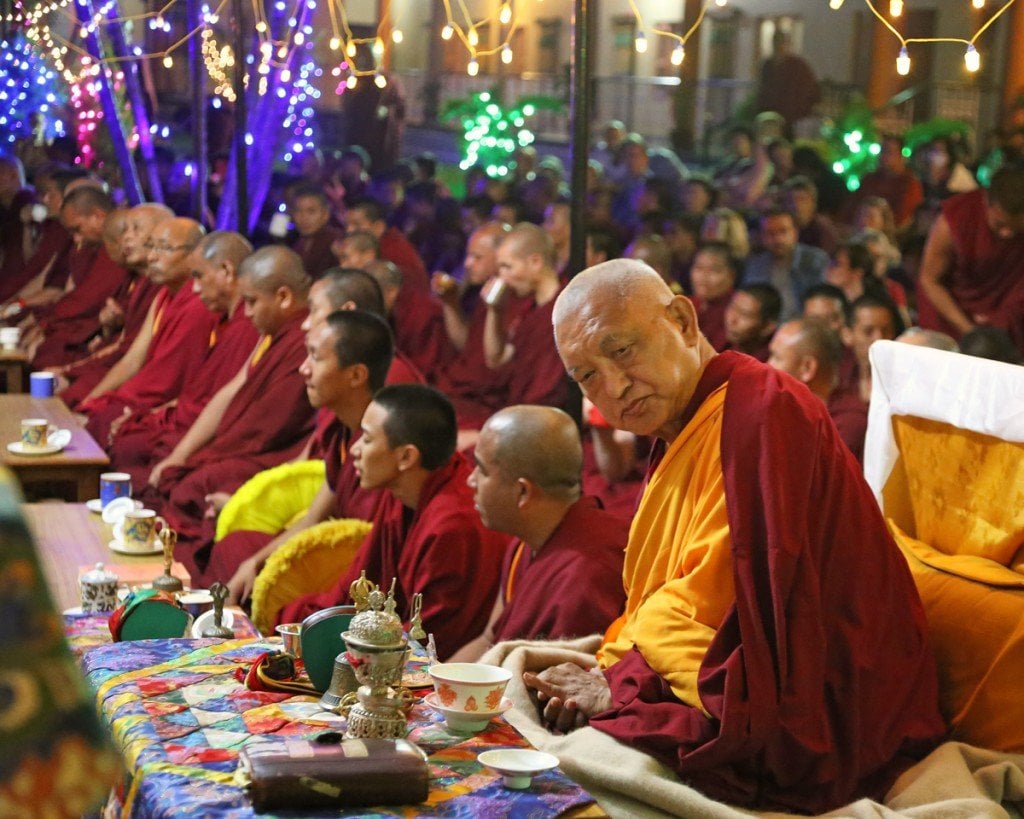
678	566
273	499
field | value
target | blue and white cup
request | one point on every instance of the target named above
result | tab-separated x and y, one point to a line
115	485
42	385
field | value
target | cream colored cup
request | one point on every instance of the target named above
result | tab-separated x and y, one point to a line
9	337
137	529
34	433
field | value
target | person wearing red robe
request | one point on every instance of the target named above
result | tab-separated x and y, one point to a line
148	436
893	181
311	213
171	347
48	263
415	316
15	197
526	266
773	650
433	541
348	360
260	418
366	216
972	271
713	277
562	574
751	318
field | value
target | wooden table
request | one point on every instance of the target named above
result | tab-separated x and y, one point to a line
13	364
81	461
69	536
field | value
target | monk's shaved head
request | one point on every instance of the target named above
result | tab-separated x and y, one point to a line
150	212
88	200
183	231
271	268
113	229
139	223
169	244
540	444
619	280
527	239
493	231
346	285
225	246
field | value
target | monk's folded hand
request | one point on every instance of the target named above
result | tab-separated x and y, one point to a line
241	583
570	694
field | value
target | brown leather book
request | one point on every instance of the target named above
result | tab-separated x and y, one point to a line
328	771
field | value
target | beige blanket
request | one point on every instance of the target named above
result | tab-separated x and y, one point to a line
956	780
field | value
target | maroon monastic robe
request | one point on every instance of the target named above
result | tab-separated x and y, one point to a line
397	249
266	424
12	234
850	416
418	324
987	278
817	693
441	549
711	319
74	318
572	587
536	374
179	346
315	249
50	258
148	436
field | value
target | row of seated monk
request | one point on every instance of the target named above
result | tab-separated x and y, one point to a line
747	644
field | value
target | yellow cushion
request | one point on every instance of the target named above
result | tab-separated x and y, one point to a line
966	490
273	499
306	563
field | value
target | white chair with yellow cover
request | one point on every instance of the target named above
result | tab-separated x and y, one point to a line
944	455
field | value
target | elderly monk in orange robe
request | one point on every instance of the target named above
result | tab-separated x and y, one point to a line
432	541
773	649
260	418
562	575
171	346
148	436
348	358
123	316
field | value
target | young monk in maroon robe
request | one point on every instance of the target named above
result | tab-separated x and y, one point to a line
973	267
123	316
148	436
562	575
415	316
349	354
311	212
366	216
773	650
434	542
259	419
713	276
173	344
67	326
751	318
526	265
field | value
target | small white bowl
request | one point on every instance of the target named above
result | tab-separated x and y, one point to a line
517	766
474	687
113	513
466	722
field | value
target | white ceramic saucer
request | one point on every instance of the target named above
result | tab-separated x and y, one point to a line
18	448
517	766
466	722
96	505
59	437
113	513
116	545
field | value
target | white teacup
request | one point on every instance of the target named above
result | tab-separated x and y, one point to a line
137	529
9	337
469	687
35	433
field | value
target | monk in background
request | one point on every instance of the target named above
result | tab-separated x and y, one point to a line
562	575
773	651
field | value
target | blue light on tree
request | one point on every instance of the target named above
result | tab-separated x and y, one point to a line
27	85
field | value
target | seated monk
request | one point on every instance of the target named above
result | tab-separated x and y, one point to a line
64	329
433	540
260	418
773	650
348	359
366	216
311	213
171	346
811	351
562	575
148	436
751	318
123	315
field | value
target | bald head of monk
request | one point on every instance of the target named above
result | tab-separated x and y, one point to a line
529	461
139	223
389	277
343	288
84	214
810	351
526	262
632	345
113	230
357	249
274	286
214	266
170	243
481	261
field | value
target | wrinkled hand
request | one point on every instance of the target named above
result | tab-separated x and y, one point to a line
241	582
570	694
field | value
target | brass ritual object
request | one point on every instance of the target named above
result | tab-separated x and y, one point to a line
219	593
167	582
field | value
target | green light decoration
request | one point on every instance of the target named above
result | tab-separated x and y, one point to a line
491	133
852	142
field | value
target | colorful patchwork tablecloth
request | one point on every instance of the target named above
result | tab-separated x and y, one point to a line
86	631
180	716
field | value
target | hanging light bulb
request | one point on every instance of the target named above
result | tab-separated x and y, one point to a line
903	62
506	54
678	53
261	27
835	5
721	3
473	68
168	61
350	49
397	36
380	80
335	44
286	75
640	43
895	8
972	59
505	15
351	81
473	37
978	4
447	32
377	49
